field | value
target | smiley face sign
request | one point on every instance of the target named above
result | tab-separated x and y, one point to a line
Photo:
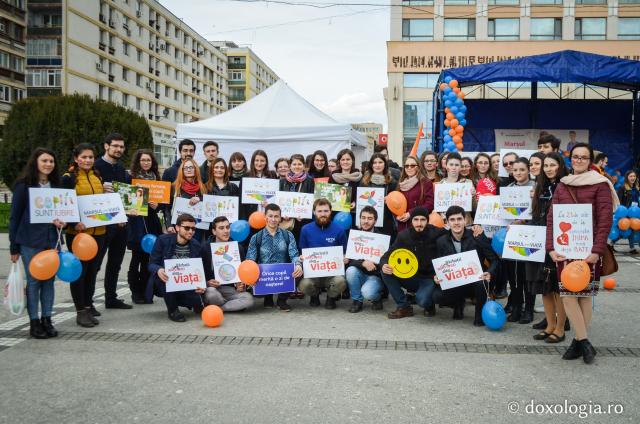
404	263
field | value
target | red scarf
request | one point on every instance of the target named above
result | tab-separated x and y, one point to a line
190	188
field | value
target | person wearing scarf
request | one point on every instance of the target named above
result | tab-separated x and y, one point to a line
296	180
378	176
347	175
188	185
416	188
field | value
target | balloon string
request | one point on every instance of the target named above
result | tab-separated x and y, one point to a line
145	226
59	242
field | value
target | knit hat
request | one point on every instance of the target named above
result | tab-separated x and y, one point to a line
420	212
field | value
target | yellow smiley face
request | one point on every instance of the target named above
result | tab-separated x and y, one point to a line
404	263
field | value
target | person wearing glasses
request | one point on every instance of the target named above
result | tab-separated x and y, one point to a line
177	245
507	161
188	185
378	176
416	188
187	149
429	161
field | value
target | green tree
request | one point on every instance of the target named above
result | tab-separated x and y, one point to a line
60	123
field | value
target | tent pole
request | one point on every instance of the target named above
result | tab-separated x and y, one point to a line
635	129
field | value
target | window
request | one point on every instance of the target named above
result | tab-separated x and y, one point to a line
5	93
44	47
546	28
504	29
449	2
628	1
591	1
43	78
236	75
535	2
139	53
138	80
125	74
12	62
38	20
417	2
420	80
417	29
591	28
459	29
125	99
138	103
125	48
505	2
413	114
629	28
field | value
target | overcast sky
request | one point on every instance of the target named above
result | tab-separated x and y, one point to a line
338	64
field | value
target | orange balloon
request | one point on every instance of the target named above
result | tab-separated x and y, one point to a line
257	220
396	202
447	123
457	139
460	146
453	83
450	116
436	220
447	110
454	123
249	272
452	132
624	224
459	129
456	90
635	224
576	276
212	316
443	86
84	247
610	283
44	265
461	95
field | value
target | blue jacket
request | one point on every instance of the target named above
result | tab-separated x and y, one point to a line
170	174
21	231
312	235
111	172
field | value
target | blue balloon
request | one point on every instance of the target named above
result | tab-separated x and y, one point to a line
462	122
458	102
240	230
447	79
448	138
459	116
621	212
493	315
463	108
454	109
452	96
615	233
147	242
70	267
448	103
626	233
633	212
343	219
497	243
447	90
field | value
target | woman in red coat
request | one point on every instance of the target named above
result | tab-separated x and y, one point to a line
416	188
587	187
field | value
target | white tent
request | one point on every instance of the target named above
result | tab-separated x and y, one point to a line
278	121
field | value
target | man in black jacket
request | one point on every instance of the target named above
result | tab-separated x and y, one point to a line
187	149
420	238
210	149
459	239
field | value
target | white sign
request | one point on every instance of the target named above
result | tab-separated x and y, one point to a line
182	206
215	206
367	245
458	270
371	196
573	230
225	258
184	274
101	209
446	195
47	204
323	261
489	212
528	138
295	205
258	190
502	172
525	243
516	202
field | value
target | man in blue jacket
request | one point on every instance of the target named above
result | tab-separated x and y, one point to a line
323	233
187	149
180	245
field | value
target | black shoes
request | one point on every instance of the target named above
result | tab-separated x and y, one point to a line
84	318
36	330
116	304
526	317
516	314
176	316
268	301
330	303
137	299
48	327
430	311
543	324
283	305
314	301
458	312
574	351
376	305
588	351
94	312
477	321
356	306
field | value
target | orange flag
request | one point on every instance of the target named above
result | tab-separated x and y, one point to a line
414	150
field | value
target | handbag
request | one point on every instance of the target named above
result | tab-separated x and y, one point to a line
14	290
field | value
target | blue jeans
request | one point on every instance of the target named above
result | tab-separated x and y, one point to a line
38	292
423	287
363	286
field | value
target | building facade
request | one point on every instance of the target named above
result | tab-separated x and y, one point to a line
12	54
430	35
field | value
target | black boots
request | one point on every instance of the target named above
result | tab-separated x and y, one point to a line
527	316
458	311
314	301
516	313
36	330
84	318
588	351
356	306
48	327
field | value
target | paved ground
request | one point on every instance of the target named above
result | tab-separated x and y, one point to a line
315	366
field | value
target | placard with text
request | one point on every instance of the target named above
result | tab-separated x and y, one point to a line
573	230
323	261
184	274
47	204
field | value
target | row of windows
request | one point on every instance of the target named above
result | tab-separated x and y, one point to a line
12	62
11	29
44	20
44	78
410	3
10	94
509	29
44	47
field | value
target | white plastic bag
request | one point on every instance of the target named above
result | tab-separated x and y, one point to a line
14	292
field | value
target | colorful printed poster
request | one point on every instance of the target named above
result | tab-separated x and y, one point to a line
258	190
184	274
489	212
134	199
181	205
516	202
367	245
573	230
159	191
101	209
323	261
338	195
458	270
446	195
274	279
525	243
225	258
215	206
522	153
47	204
370	196
295	205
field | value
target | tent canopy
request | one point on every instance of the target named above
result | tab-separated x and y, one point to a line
273	121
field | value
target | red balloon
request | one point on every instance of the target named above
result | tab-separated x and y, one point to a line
635	224
610	283
456	90
450	116
447	123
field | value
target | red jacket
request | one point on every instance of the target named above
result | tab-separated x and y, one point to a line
599	195
414	199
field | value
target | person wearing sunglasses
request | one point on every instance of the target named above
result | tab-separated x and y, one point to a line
416	188
178	245
507	162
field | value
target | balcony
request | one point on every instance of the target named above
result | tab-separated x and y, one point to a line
236	65
237	98
44	61
236	82
48	31
43	91
12	10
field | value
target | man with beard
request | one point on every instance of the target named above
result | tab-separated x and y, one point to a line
187	149
323	233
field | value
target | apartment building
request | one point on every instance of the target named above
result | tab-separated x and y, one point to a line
12	55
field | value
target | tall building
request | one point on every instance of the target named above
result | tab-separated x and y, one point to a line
12	55
372	130
248	74
132	52
430	35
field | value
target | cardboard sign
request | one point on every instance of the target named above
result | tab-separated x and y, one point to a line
573	230
184	274
491	230
528	138
275	278
258	190
101	209
134	199
181	206
489	212
225	258
295	205
516	202
323	261
371	196
338	195
525	243
367	245
458	270
215	206
522	153
47	204
159	191
446	195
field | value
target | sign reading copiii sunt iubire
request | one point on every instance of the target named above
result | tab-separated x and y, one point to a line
47	204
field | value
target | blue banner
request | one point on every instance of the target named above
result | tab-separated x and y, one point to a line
275	278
